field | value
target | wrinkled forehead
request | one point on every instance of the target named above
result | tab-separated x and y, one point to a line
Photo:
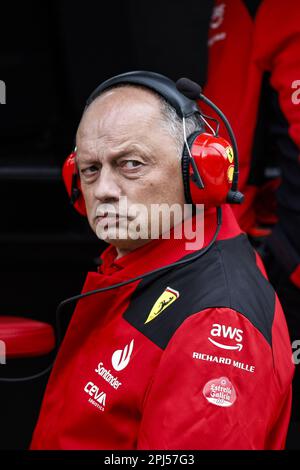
120	107
129	91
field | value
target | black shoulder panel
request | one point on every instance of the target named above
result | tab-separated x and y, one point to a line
226	276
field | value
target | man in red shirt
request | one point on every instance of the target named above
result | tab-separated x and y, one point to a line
195	357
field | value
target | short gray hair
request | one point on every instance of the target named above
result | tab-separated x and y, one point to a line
174	124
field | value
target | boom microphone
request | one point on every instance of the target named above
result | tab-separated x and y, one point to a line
189	88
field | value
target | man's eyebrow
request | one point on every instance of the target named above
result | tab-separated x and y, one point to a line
80	158
128	150
86	158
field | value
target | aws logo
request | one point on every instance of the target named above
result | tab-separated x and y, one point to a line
226	332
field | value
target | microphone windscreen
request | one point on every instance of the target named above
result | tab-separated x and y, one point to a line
188	88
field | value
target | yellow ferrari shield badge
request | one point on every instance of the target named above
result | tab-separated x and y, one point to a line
165	300
229	153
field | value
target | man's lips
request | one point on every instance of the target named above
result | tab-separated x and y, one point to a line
107	216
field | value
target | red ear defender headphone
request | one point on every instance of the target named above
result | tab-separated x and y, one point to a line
209	163
72	183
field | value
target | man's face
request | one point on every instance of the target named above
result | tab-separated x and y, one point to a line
124	151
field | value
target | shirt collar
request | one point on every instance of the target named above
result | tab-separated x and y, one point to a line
160	252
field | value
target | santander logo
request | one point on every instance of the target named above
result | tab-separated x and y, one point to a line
121	357
226	332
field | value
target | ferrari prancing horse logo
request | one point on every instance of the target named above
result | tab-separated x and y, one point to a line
165	300
229	153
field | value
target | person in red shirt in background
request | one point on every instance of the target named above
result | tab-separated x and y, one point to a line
254	64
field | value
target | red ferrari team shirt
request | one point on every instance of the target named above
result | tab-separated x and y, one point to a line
195	357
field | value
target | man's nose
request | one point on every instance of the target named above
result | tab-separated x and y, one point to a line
107	187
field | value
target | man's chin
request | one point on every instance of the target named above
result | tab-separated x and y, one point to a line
122	243
112	234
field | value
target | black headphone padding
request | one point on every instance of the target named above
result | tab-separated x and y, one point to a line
185	163
165	87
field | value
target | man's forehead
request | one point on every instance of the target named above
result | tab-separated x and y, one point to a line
123	100
119	109
136	93
87	154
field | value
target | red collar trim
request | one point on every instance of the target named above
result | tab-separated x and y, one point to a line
160	252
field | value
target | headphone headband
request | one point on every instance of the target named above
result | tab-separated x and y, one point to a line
165	87
209	167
